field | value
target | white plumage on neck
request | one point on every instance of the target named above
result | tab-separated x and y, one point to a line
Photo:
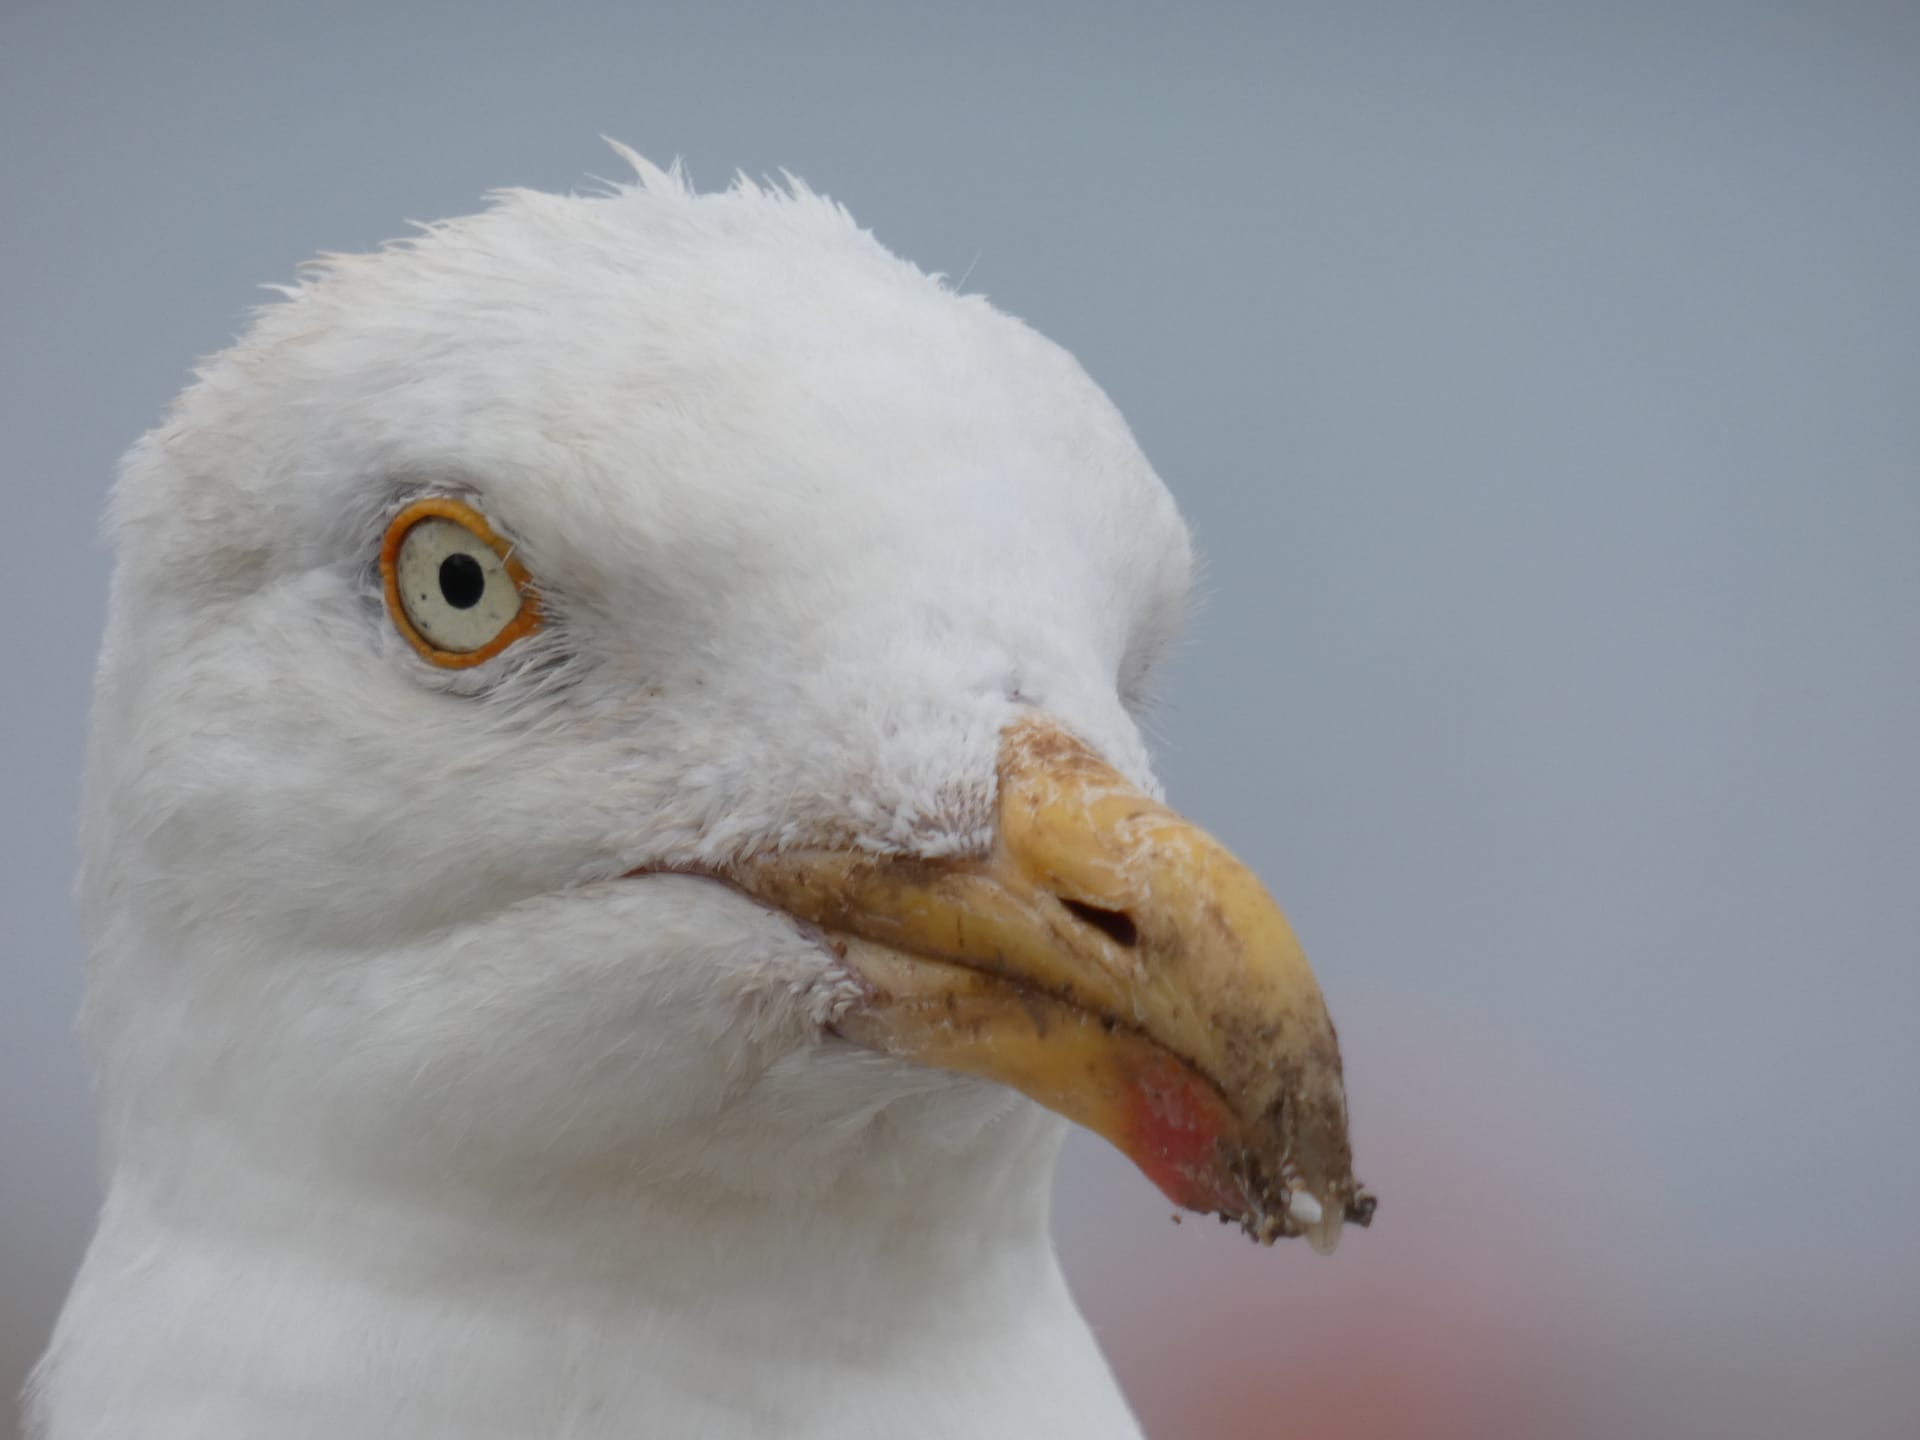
675	1311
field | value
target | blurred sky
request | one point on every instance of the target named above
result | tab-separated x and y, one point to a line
1543	383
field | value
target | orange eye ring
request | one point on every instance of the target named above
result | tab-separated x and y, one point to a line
526	619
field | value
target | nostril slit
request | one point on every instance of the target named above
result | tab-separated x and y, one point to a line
1116	925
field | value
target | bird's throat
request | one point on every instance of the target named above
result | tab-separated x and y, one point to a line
602	1315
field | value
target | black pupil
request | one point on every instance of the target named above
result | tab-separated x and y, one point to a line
462	581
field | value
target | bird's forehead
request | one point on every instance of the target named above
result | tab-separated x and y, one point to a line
736	403
935	470
728	395
817	397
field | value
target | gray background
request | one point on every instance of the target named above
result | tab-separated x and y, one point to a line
1543	383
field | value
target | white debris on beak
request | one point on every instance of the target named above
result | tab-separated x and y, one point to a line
1323	1231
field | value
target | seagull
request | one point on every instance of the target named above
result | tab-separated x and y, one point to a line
617	837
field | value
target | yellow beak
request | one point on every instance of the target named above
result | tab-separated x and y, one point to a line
1114	963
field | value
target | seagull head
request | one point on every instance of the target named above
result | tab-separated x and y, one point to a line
640	691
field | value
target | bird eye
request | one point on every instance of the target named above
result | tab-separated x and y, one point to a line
454	588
